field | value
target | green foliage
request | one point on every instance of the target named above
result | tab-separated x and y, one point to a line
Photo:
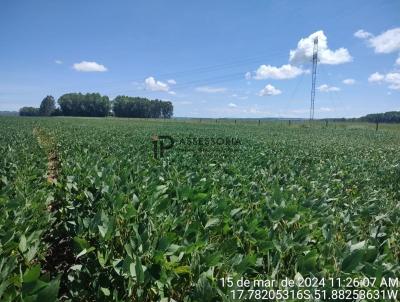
29	111
95	105
90	104
124	106
387	117
9	113
47	106
24	196
288	201
390	117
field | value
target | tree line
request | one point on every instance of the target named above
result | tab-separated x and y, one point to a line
125	106
390	117
387	117
96	105
47	107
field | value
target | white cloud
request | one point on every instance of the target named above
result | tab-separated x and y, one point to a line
256	111
391	78
299	111
327	88
362	34
376	77
349	81
171	81
232	105
86	66
398	61
153	85
58	62
304	51
279	73
325	109
208	89
269	90
303	54
387	42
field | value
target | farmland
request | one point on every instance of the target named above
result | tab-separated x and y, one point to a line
87	213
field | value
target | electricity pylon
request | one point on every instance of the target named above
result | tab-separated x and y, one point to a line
314	76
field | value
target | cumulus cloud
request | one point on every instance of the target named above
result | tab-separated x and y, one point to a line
376	77
269	90
362	34
232	105
391	78
398	61
278	73
304	51
349	81
387	42
302	54
327	88
208	89
171	81
86	66
153	85
58	62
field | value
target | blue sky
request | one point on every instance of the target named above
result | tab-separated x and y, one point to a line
210	58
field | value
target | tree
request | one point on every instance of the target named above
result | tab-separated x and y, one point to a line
47	106
90	104
29	111
167	110
125	106
57	112
387	117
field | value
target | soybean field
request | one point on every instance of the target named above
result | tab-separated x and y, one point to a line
90	210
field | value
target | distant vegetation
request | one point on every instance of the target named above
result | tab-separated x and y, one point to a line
125	106
90	104
8	113
96	105
47	108
29	111
387	117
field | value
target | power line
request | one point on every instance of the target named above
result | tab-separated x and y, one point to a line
211	81
223	66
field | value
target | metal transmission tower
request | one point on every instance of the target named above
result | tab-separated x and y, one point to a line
314	77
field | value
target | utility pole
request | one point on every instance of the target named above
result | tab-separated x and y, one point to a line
314	77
